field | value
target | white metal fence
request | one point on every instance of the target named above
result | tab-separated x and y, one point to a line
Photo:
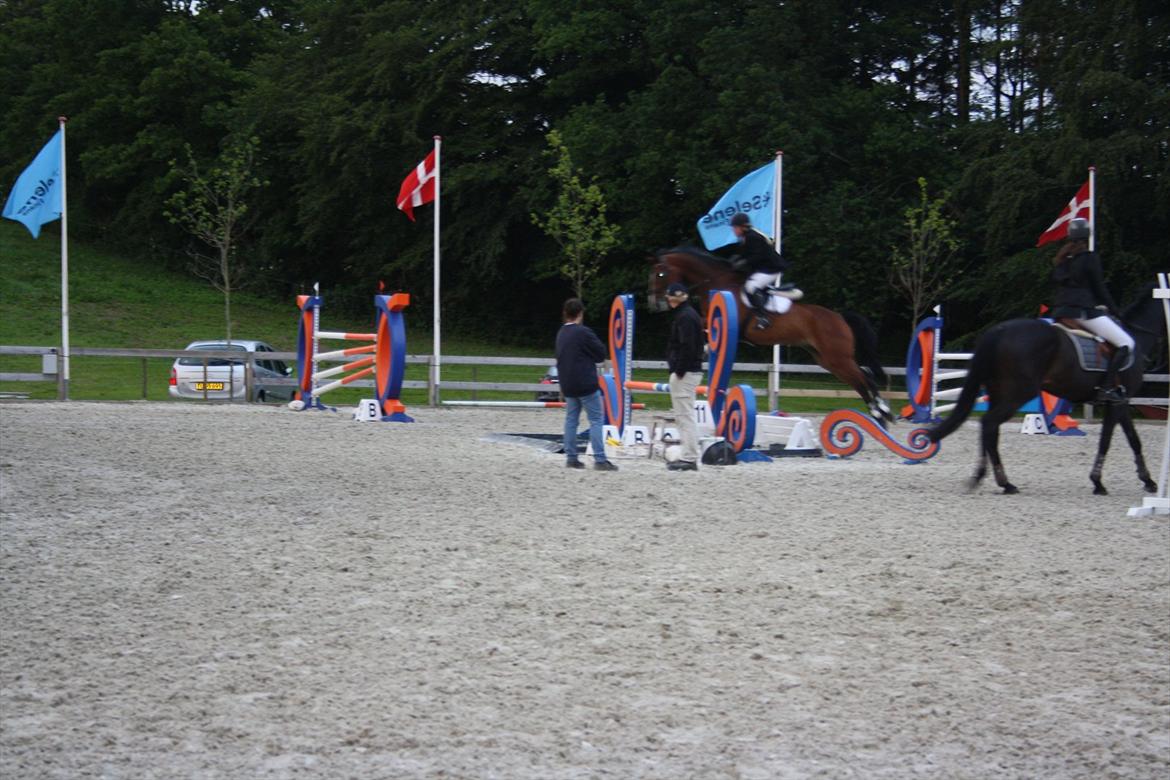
774	388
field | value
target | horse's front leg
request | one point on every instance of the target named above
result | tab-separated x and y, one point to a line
1107	425
1125	417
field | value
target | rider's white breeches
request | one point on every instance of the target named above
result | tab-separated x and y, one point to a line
1109	330
761	280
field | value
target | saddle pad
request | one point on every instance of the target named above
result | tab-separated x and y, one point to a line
1088	350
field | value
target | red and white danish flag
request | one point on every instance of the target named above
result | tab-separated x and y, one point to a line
1081	206
418	187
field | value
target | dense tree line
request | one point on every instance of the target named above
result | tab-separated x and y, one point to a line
1002	103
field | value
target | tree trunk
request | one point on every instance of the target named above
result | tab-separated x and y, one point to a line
225	270
997	77
963	70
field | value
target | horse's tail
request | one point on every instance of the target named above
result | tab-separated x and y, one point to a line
865	345
978	370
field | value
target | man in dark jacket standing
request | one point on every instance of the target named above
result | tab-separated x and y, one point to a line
578	353
684	357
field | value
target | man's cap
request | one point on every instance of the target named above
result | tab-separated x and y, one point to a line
676	290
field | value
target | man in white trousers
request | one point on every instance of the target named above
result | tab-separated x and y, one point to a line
684	357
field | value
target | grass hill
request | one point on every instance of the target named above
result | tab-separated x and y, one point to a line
116	302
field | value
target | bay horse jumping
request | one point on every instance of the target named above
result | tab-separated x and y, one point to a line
844	345
1015	360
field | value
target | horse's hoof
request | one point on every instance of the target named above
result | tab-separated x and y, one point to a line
1100	490
1010	490
1150	485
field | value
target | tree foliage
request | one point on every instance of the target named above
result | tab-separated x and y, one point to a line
923	266
212	205
1003	103
576	220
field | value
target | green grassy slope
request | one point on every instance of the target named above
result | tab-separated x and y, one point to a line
120	303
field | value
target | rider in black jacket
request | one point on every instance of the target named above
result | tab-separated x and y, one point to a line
765	266
1081	295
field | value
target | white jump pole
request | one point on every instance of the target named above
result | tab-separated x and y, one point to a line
1160	503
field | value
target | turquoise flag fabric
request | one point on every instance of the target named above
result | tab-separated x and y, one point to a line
36	197
753	195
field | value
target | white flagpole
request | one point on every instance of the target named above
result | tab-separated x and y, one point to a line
778	232
1092	207
63	388
435	378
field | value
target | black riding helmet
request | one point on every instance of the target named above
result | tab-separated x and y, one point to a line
740	220
1078	229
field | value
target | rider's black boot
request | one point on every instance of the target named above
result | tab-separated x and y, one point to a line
759	301
759	308
1109	392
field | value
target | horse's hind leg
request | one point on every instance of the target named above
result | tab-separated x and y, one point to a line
980	471
989	436
1114	415
877	405
847	370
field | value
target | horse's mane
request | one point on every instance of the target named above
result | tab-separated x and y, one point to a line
698	254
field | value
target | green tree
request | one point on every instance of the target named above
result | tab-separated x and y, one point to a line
212	206
923	268
577	220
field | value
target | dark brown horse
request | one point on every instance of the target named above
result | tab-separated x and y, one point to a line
1017	359
838	343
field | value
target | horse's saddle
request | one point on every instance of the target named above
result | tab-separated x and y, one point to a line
1092	351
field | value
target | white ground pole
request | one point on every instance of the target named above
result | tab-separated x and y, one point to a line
1160	503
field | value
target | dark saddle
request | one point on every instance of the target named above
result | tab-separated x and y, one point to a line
1092	351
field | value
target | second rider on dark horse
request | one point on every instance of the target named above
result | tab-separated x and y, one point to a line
1082	297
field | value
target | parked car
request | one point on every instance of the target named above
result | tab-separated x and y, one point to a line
224	378
554	391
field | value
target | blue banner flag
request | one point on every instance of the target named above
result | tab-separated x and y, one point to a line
36	197
753	195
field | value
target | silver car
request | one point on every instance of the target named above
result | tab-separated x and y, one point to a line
223	379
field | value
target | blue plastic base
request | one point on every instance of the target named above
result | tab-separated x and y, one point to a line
397	417
752	456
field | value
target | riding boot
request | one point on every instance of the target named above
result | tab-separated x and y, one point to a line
759	300
1109	392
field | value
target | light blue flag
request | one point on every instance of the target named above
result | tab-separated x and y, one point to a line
753	195
36	197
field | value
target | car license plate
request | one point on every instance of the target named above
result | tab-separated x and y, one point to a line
209	386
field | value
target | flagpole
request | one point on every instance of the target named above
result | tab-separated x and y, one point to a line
436	359
1092	207
63	373
778	232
